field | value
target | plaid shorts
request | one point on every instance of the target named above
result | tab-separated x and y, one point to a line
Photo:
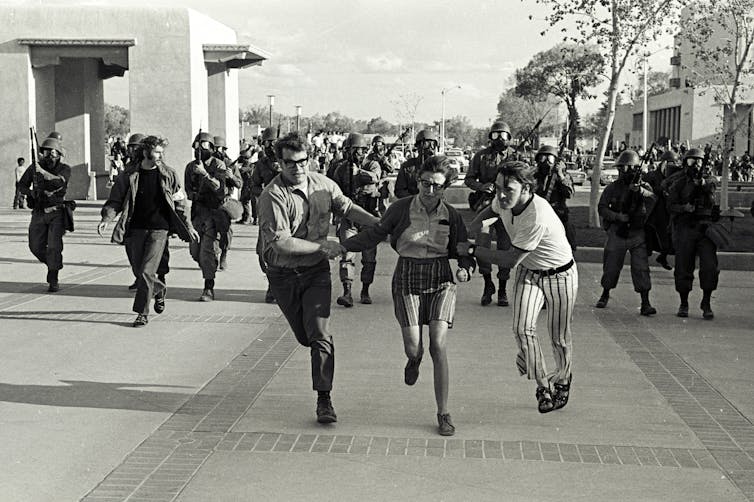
423	291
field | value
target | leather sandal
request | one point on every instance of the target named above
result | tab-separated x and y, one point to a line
562	392
544	398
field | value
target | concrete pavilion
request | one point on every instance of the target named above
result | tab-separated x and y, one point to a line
182	73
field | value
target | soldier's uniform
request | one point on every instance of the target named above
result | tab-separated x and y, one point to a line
691	199
405	183
246	168
624	213
226	237
360	183
207	192
556	189
45	191
483	172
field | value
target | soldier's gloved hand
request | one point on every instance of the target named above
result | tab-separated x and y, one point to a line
463	274
488	188
689	207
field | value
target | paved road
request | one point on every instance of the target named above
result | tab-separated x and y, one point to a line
213	401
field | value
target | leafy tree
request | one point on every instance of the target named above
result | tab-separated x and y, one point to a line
620	28
523	114
721	43
117	121
256	114
378	125
657	83
566	71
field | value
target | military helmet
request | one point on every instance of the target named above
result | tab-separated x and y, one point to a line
220	142
357	140
695	153
670	157
246	154
51	144
56	135
269	134
136	139
628	158
378	139
204	136
546	150
500	126
426	135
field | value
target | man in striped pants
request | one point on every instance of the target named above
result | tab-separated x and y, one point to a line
546	273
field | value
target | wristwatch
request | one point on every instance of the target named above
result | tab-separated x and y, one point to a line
471	250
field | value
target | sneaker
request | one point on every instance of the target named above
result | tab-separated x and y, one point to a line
269	297
325	411
707	311
208	295
134	286
683	310
647	310
141	320
602	302
159	303
502	299
445	425
411	372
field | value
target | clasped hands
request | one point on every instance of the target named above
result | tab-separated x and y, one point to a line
331	249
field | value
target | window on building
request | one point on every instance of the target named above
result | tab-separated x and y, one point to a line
638	118
665	123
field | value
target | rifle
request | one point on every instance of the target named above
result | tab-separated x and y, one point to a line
34	150
535	128
630	200
398	140
550	186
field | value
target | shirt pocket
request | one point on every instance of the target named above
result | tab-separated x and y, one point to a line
441	235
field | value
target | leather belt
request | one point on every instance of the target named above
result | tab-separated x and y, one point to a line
553	271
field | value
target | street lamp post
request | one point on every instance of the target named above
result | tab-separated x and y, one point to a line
298	118
442	119
645	114
272	102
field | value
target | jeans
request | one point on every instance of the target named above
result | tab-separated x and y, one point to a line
304	295
145	249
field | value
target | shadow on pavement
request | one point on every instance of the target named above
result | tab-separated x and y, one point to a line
83	394
84	264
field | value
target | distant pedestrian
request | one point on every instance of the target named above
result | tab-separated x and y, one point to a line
424	229
546	272
45	184
151	203
295	210
19	198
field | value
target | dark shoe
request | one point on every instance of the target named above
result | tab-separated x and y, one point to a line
208	295
502	298
707	311
223	264
411	372
52	280
445	425
159	303
54	287
365	298
663	261
346	299
134	286
544	398
647	310
489	290
562	391
602	302
683	310
141	320
269	297
325	412
254	221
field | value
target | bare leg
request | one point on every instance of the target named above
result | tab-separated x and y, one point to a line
438	331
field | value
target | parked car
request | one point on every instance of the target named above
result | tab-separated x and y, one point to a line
456	154
577	176
608	175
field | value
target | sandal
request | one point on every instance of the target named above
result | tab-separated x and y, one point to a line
544	398
562	391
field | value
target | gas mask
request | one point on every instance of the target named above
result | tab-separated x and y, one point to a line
427	148
358	155
499	140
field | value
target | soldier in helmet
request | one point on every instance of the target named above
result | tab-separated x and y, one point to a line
246	168
555	186
380	155
359	181
265	169
624	207
133	149
691	200
208	183
426	146
226	237
480	178
658	222
44	184
221	150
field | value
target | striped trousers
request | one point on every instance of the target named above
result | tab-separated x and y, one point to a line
531	290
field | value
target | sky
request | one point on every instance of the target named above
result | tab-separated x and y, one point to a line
361	57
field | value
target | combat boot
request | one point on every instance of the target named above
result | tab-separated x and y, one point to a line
365	298
646	308
223	265
346	299
489	290
502	295
269	297
52	279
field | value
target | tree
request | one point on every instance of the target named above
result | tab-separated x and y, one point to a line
566	71
657	83
406	106
461	131
721	42
378	125
117	121
523	114
619	28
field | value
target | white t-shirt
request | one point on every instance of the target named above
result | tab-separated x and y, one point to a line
539	232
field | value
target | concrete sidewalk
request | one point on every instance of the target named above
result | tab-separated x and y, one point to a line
214	401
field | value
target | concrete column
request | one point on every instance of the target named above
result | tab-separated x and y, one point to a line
44	83
223	105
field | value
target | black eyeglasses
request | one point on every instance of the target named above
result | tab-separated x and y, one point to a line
428	184
290	164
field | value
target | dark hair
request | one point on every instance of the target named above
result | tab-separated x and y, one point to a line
293	141
521	171
20	160
438	164
150	143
